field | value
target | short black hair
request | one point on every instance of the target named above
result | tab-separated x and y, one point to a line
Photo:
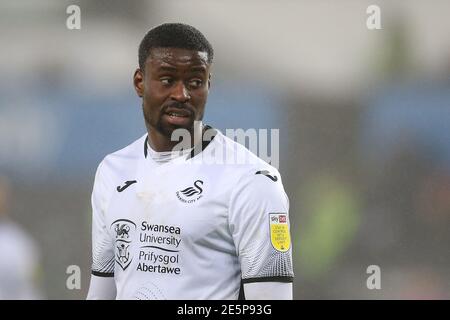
174	35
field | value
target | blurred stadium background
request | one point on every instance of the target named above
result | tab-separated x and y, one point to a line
364	119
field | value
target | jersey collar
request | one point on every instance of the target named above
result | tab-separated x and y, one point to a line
196	150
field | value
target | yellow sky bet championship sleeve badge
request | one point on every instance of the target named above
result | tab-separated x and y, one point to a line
279	231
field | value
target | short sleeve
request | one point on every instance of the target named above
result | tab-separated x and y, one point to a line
259	223
102	245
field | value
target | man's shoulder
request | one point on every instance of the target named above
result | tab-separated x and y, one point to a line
238	156
240	166
132	152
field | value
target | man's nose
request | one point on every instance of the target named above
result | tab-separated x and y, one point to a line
180	92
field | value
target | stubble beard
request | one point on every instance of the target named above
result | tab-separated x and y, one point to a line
165	130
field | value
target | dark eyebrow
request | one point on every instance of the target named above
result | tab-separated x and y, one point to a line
167	68
198	68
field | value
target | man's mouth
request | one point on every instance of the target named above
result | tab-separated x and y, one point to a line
178	117
176	114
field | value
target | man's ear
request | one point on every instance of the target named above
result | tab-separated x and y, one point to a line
138	81
209	81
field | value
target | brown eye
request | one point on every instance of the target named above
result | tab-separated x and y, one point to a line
166	81
196	83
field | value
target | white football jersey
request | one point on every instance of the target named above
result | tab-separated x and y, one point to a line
195	227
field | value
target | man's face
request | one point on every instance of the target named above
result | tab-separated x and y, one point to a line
174	88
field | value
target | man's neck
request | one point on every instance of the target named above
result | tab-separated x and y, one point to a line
161	143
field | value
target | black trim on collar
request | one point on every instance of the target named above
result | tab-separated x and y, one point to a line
146	146
195	151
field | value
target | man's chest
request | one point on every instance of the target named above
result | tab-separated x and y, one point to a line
161	215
